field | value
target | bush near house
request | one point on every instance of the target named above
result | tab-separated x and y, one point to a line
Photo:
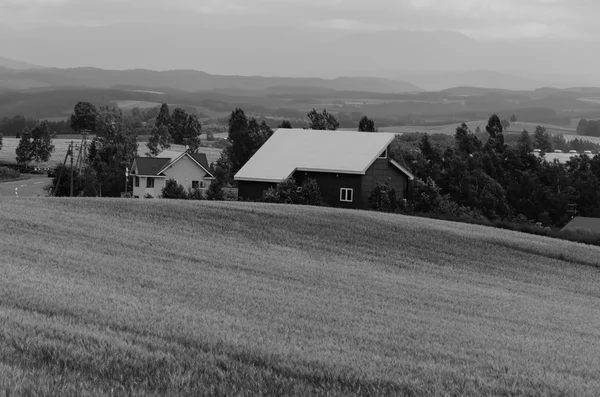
308	193
173	190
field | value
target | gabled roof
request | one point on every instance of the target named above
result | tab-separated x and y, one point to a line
289	150
166	158
583	223
149	165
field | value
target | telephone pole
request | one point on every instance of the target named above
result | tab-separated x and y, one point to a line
71	149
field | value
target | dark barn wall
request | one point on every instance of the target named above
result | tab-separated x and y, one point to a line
383	171
330	185
252	190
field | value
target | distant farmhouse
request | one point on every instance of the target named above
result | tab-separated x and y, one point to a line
347	165
562	157
151	173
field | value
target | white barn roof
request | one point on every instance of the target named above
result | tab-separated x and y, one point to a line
290	150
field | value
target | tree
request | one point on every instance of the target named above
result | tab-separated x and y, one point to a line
322	121
113	149
246	137
513	119
542	139
505	124
24	149
0	140
160	139
84	117
42	146
496	138
179	121
173	190
164	117
35	145
215	191
366	125
466	142
285	124
191	134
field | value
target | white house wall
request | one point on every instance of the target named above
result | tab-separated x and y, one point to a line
185	171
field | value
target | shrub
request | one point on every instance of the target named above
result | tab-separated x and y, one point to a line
215	191
7	174
309	193
195	194
173	190
383	198
148	196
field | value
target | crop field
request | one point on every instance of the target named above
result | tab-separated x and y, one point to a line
450	129
61	145
155	298
593	139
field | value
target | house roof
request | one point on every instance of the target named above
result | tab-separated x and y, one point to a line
165	159
583	223
149	165
290	150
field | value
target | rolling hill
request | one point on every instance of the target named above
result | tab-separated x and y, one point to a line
16	65
130	297
188	80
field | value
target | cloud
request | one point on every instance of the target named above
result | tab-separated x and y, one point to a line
479	18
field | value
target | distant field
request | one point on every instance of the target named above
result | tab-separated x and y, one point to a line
9	147
61	145
125	105
450	129
159	298
592	139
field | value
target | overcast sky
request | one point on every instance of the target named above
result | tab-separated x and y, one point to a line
477	18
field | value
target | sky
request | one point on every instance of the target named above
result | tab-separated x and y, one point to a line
482	19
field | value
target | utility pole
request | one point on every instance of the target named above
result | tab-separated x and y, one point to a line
71	150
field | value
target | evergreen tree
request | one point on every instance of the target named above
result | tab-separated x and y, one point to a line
285	124
173	190
191	134
366	125
164	117
496	137
322	121
542	140
246	137
513	119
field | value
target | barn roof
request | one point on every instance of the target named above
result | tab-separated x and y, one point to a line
290	150
583	223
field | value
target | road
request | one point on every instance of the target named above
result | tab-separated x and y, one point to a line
27	188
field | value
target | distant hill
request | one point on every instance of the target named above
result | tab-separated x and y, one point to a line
189	80
16	65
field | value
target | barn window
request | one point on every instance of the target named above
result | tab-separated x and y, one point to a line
149	182
346	194
195	184
383	155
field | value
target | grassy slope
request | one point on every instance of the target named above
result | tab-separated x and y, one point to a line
202	298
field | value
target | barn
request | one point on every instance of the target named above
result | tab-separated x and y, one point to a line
347	165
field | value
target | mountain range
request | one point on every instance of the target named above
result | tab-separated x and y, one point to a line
429	60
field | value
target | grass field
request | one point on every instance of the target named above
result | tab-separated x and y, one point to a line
123	297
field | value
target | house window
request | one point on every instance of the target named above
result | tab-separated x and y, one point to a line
137	181
383	155
195	185
149	183
346	195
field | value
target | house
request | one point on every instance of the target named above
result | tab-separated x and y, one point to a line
581	223
347	165
151	173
